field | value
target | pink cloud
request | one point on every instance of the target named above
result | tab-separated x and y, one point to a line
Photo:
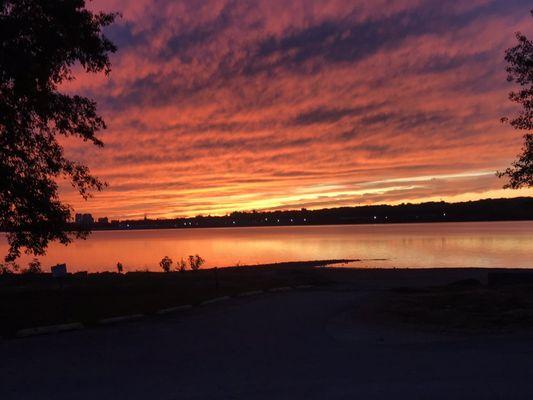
219	105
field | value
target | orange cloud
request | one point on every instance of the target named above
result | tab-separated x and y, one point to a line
214	106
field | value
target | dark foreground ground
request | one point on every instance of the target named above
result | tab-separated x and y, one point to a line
358	334
30	300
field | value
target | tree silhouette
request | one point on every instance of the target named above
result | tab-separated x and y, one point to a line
520	70
40	42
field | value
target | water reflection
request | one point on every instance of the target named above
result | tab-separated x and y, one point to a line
487	244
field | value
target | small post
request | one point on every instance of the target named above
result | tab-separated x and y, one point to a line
59	272
217	283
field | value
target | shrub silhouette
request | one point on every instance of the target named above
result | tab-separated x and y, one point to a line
166	263
34	267
181	265
196	262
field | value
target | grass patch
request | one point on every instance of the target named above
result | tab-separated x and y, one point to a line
464	306
35	300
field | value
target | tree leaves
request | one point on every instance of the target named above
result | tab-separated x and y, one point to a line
520	71
40	41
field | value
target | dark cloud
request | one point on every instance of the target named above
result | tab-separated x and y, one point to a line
349	135
188	39
346	41
123	34
407	120
328	115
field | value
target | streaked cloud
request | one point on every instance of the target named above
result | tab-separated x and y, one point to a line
221	105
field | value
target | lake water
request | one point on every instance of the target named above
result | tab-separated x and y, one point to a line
469	244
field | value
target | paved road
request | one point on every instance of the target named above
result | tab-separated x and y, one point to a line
294	345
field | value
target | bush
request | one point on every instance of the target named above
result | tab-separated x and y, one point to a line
166	263
181	265
196	262
34	267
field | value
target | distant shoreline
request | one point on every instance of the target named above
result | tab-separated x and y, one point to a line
133	228
487	210
141	228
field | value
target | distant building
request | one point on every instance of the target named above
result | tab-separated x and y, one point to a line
84	219
103	220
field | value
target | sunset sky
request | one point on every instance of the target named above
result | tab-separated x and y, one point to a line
219	105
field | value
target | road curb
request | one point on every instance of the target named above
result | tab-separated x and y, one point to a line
304	286
43	330
123	318
250	293
215	300
173	309
280	289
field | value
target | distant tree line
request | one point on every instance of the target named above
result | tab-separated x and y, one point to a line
520	208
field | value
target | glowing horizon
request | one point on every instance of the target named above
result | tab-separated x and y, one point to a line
216	106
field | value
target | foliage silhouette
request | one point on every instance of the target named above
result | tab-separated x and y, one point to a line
34	267
181	265
40	42
520	70
166	263
195	262
8	268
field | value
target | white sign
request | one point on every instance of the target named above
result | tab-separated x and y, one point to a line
59	270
